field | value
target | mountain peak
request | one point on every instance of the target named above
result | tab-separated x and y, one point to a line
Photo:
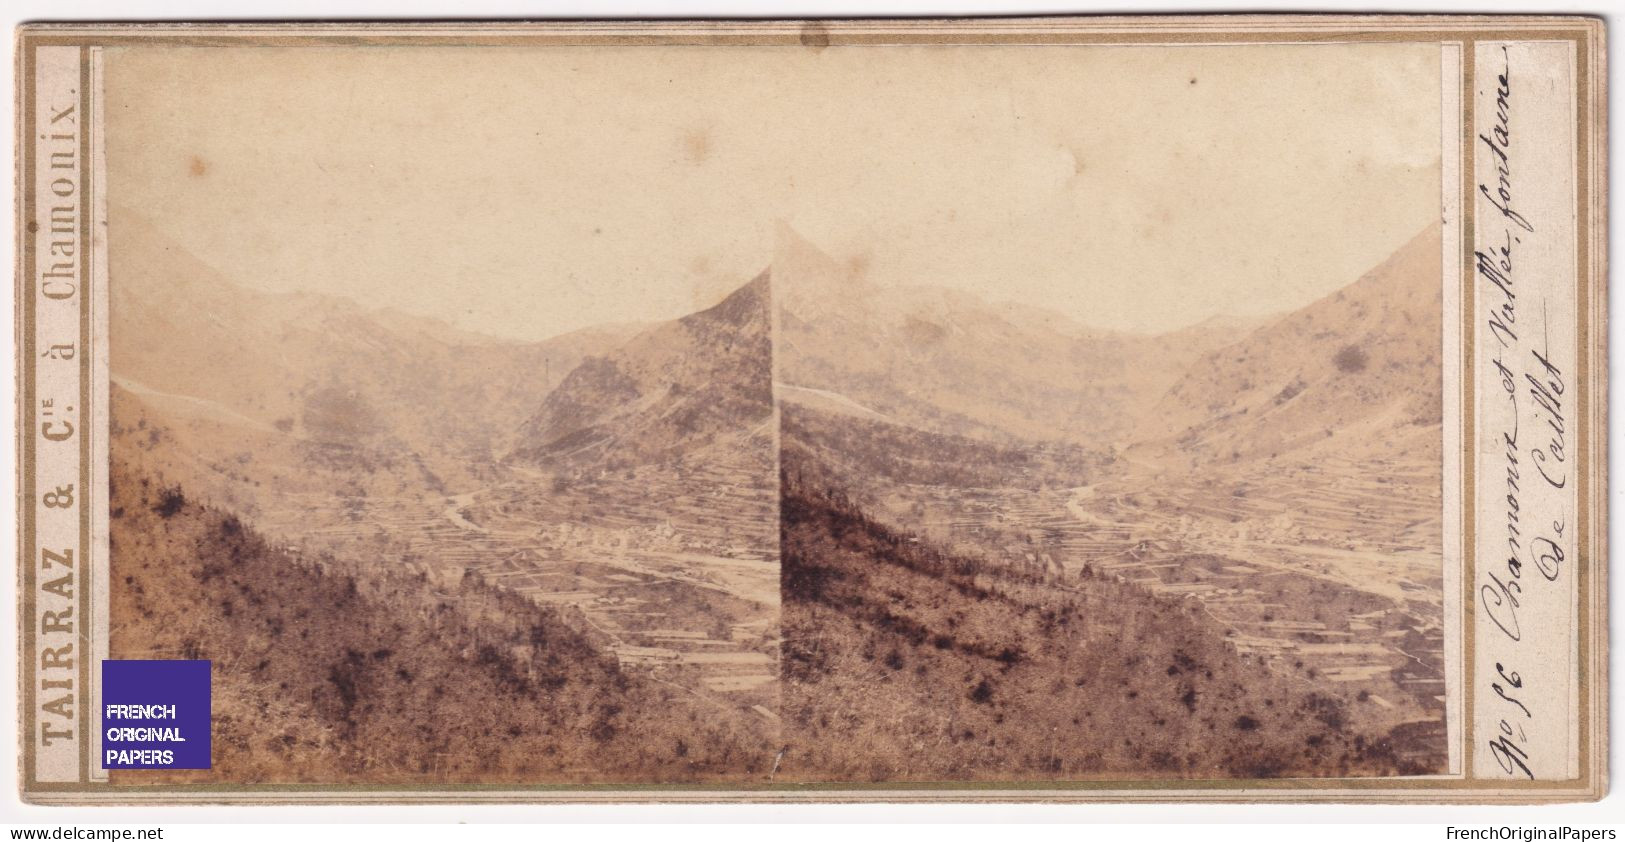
674	388
789	245
806	275
743	305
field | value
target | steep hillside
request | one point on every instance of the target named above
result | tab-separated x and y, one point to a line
671	390
325	673
905	662
1358	369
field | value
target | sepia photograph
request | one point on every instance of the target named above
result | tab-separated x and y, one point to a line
814	415
1047	410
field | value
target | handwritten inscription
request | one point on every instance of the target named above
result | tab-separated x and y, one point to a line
1528	432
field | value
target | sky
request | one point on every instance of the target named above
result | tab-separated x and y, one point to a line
525	192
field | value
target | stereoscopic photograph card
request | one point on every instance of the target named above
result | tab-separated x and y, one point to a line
1057	409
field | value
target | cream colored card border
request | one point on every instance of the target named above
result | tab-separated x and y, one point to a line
1458	37
1524	717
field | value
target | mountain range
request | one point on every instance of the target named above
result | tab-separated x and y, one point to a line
1359	364
317	368
626	458
946	361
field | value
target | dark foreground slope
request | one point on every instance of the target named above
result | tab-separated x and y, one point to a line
902	662
321	675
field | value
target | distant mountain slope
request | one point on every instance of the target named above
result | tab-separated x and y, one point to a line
943	360
863	449
905	662
321	368
704	379
323	675
1359	368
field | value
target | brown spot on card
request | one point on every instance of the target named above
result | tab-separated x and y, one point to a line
815	34
696	146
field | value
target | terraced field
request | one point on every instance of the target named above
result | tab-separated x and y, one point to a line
1333	576
673	568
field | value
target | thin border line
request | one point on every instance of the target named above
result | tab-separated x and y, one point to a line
847	33
1582	358
25	428
86	582
1469	406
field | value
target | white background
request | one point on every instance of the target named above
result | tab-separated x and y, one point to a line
1225	822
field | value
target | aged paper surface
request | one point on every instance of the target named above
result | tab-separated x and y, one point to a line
1125	409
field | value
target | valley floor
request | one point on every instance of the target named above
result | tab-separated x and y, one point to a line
1330	573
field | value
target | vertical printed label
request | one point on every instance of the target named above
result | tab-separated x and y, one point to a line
57	232
1525	572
